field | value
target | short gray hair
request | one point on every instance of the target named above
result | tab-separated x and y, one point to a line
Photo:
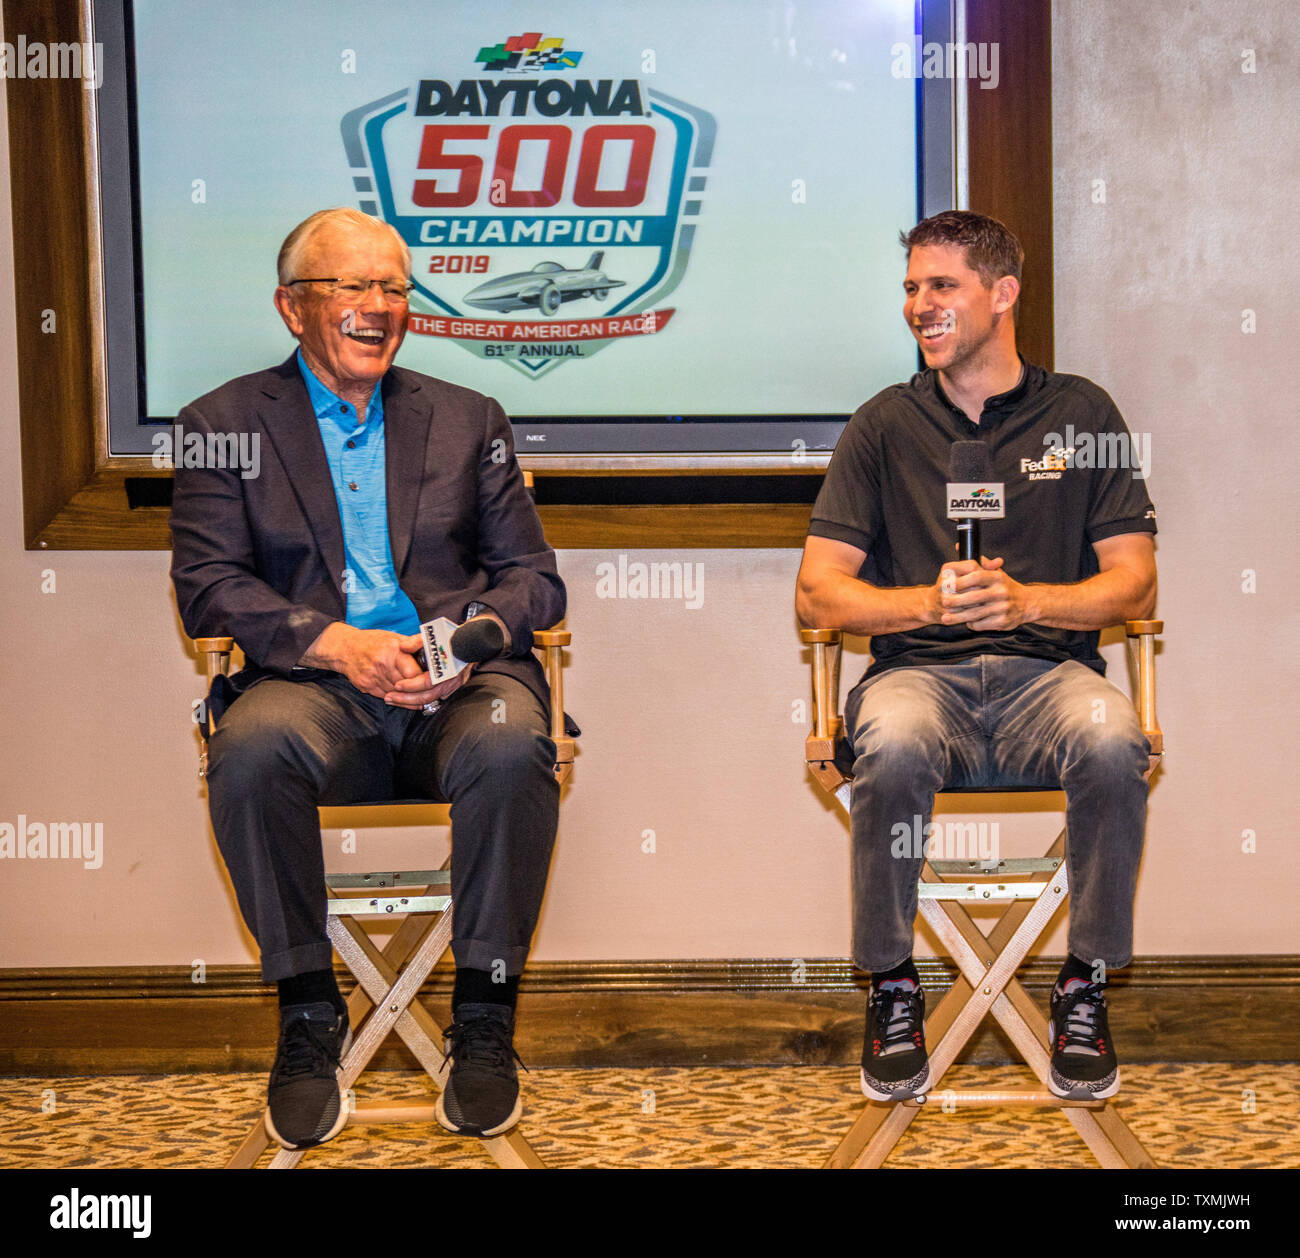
297	240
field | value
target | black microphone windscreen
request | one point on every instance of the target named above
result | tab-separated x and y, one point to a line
969	461
477	640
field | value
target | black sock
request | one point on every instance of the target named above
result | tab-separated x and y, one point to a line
1074	968
310	989
477	987
906	970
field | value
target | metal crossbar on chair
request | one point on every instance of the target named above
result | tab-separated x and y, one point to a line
986	983
389	978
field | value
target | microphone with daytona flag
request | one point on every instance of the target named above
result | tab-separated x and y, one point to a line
973	494
449	648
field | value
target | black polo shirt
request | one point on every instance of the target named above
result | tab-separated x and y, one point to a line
884	493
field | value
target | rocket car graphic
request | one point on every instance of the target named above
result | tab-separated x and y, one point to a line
545	287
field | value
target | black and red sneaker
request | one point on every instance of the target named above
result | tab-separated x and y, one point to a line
1084	1067
895	1066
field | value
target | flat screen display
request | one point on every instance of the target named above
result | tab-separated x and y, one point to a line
668	227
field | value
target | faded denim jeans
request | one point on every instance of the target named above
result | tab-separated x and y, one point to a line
995	720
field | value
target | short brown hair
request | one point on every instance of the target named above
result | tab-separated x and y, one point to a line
991	250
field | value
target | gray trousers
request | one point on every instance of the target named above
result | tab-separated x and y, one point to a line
995	721
286	747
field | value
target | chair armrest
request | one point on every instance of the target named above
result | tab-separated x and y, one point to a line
217	664
1142	642
552	643
819	747
218	652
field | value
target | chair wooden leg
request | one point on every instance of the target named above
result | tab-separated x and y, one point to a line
417	1029
871	1139
404	941
387	983
857	1149
396	951
987	984
1103	1130
880	1125
389	991
254	1145
390	1000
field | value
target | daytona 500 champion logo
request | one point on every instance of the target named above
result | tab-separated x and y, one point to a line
547	214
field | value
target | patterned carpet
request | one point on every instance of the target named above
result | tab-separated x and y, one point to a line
1187	1115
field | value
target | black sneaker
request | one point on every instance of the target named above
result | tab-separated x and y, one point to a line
481	1095
305	1103
1083	1059
894	1063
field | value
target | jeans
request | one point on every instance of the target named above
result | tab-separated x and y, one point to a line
1002	721
286	747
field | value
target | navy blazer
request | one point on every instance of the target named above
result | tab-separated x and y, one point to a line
261	560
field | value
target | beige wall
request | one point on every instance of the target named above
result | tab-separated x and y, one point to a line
688	713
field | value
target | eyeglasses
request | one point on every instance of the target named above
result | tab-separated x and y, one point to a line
393	290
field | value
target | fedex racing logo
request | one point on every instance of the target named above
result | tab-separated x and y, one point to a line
548	215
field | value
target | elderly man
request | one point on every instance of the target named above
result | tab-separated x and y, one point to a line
384	498
985	673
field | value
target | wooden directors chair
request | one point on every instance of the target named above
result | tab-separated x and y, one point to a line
389	979
987	964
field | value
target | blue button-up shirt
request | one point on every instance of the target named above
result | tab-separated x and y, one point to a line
357	469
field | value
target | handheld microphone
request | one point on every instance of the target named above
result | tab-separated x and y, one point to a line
478	640
449	648
973	494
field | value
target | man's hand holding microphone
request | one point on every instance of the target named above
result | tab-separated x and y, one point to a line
396	668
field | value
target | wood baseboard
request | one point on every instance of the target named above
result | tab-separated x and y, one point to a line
779	1012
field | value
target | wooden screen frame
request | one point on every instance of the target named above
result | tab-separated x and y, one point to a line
75	492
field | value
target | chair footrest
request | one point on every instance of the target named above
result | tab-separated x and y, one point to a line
990	869
397	878
378	906
375	1112
970	1099
980	891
